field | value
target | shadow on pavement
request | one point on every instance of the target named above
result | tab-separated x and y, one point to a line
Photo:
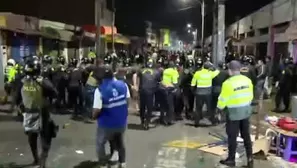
135	126
86	164
8	118
14	165
203	125
3	110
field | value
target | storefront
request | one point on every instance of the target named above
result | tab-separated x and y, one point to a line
55	38
21	34
105	31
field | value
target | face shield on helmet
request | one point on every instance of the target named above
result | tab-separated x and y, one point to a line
47	59
11	62
61	60
150	63
32	67
199	63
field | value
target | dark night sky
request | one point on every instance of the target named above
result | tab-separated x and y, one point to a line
131	14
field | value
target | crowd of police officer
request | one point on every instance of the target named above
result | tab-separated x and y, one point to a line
170	85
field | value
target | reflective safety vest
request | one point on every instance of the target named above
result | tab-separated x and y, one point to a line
114	112
91	80
203	78
10	73
237	92
91	55
170	77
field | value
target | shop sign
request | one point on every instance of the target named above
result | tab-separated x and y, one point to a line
21	22
2	21
54	25
50	32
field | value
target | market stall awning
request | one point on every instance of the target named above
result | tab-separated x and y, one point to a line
118	38
105	30
52	33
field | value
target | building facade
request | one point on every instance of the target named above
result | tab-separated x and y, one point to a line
271	30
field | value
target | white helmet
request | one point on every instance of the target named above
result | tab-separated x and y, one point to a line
11	62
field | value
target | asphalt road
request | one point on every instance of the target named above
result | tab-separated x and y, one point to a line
160	147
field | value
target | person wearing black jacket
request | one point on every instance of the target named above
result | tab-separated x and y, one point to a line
217	83
284	86
75	87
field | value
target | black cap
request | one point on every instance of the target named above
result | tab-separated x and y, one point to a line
108	73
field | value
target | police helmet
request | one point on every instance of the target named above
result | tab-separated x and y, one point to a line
245	59
91	60
199	62
107	60
190	63
84	60
35	57
251	59
32	67
160	60
150	63
11	62
207	58
47	59
178	62
127	62
73	62
61	60
223	65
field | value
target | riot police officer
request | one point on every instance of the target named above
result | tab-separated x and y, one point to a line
75	87
168	88
188	96
148	78
220	76
202	84
60	81
35	110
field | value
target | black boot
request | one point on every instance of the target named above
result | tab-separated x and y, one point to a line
250	162
227	162
146	125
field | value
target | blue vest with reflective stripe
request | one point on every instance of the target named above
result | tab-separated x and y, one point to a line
114	110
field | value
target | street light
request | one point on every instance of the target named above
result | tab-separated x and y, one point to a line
189	25
189	31
202	5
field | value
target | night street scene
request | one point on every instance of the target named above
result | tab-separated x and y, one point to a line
148	84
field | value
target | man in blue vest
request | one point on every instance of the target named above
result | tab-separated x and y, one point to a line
110	108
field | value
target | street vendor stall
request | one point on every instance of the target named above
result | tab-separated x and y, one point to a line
285	139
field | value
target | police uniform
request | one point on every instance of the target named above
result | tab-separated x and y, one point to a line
188	95
60	79
202	83
36	116
220	77
169	81
235	99
148	78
